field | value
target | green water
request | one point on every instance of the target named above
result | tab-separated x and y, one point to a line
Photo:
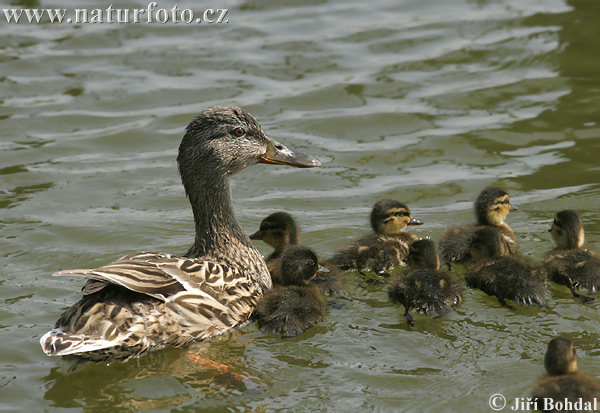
423	101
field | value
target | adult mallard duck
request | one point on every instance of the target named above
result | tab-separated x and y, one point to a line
281	231
569	263
424	286
150	300
387	247
505	276
491	208
564	382
293	306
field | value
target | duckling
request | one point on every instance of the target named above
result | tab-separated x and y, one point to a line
280	231
387	247
564	383
150	300
424	287
491	208
569	263
291	308
507	277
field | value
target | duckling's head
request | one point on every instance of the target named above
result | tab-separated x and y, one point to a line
390	217
492	206
299	265
424	255
486	244
567	230
222	141
278	230
560	357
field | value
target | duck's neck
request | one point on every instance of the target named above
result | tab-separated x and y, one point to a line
218	234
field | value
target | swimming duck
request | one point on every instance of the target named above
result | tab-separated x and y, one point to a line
569	263
150	300
491	208
507	277
291	308
387	247
424	287
564	382
280	231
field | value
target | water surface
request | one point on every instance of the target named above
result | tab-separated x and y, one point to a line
426	102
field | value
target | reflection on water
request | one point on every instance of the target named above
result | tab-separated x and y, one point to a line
426	102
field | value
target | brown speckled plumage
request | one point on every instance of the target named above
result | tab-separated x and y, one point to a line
150	300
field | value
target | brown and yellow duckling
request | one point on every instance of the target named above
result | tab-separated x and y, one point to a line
424	286
505	276
569	263
387	247
491	209
564	382
295	305
281	231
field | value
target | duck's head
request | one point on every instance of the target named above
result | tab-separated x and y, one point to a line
299	265
224	140
560	357
492	206
390	217
486	244
278	230
423	254
567	230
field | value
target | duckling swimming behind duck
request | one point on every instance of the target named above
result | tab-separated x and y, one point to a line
387	247
506	277
563	380
149	300
569	263
291	308
280	231
424	287
491	208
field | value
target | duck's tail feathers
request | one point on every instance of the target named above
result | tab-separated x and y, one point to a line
56	342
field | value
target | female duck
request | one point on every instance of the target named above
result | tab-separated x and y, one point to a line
569	263
563	380
151	300
387	247
506	277
294	306
424	287
491	208
280	231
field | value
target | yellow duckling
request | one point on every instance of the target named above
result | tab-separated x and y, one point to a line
569	263
491	209
424	287
151	300
564	386
387	247
281	231
507	277
295	305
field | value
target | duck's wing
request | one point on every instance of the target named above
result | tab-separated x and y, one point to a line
158	275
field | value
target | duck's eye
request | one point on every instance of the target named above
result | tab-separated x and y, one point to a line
239	131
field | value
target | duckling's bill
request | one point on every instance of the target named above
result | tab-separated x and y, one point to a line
278	154
414	221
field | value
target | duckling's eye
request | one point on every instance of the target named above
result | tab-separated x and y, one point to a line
239	131
310	262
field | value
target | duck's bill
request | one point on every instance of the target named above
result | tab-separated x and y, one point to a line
414	221
277	154
256	235
513	208
322	270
